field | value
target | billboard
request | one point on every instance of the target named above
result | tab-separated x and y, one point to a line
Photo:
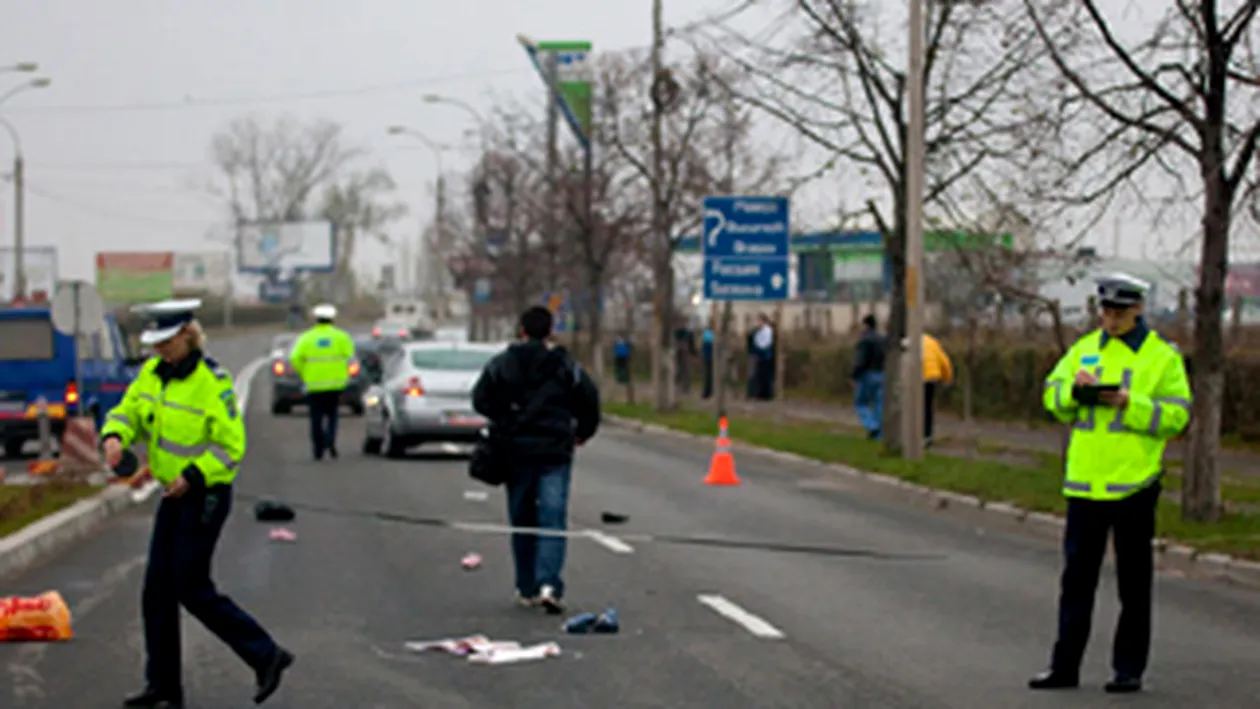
124	277
206	272
40	263
287	247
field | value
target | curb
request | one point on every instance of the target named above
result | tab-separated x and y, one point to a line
1169	554
46	537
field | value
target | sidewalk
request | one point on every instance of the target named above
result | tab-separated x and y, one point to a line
951	433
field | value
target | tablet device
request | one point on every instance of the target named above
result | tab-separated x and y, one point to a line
1091	394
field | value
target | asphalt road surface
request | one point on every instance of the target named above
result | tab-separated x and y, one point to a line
897	607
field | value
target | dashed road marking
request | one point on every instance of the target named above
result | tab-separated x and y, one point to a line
753	624
609	542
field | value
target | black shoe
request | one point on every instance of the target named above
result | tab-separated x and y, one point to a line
269	677
1051	679
152	698
1123	684
332	452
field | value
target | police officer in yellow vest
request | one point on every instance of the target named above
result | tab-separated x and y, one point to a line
182	405
321	357
1113	477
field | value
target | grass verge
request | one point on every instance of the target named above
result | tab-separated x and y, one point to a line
21	505
1035	488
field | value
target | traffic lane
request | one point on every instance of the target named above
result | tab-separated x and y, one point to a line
970	621
409	586
352	589
237	351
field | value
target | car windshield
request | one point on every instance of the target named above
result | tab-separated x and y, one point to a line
283	341
451	360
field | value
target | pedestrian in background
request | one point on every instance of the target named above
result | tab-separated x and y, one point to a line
868	378
622	349
184	405
706	360
545	404
1113	477
763	349
937	371
321	357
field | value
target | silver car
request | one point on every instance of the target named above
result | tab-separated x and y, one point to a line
425	395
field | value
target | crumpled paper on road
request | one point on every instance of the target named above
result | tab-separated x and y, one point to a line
482	650
44	618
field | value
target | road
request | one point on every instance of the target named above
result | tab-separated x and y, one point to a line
943	612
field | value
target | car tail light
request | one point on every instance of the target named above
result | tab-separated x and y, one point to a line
278	367
354	369
413	388
402	334
376	332
72	393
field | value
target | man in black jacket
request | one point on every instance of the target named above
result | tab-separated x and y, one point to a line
868	378
560	407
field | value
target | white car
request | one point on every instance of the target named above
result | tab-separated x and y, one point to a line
425	396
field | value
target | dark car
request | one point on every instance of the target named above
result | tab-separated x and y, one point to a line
286	385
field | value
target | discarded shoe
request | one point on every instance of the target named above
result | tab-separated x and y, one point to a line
613	518
268	511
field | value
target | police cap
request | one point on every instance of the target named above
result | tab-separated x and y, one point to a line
1120	290
167	318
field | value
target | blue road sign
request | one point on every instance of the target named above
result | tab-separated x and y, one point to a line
746	248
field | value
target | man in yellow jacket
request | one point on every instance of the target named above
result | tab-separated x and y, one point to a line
937	371
321	357
1124	391
183	406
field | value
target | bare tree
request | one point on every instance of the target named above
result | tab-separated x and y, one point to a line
274	171
359	204
835	81
1183	95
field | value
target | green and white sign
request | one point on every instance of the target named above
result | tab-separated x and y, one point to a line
575	76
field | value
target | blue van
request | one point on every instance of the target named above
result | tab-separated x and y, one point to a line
36	360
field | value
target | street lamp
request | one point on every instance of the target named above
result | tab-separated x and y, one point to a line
19	208
436	255
20	66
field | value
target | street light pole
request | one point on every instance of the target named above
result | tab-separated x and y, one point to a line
437	250
912	402
19	182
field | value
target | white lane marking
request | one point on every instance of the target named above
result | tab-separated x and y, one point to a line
476	495
245	379
609	542
753	624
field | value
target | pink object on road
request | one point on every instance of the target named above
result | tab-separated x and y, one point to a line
470	562
283	535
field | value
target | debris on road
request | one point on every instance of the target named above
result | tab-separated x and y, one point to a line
471	562
613	518
482	650
476	495
605	623
269	511
280	534
43	618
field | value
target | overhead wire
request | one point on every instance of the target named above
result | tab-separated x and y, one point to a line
109	213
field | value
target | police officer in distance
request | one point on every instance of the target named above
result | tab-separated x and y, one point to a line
1113	477
184	406
321	357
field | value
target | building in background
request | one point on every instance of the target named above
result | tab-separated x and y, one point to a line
203	274
42	272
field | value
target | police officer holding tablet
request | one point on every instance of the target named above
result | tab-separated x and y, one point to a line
1123	389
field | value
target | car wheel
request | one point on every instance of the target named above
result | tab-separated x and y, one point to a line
371	446
356	409
392	447
280	408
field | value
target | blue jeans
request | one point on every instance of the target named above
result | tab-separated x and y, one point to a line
538	497
870	401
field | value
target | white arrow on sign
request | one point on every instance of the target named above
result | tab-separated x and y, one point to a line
776	281
717	228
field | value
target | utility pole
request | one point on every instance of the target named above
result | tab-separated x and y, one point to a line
19	228
912	361
437	257
662	350
552	201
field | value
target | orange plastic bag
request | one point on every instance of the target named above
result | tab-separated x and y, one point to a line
44	618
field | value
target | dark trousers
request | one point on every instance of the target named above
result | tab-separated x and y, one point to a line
707	364
1132	521
538	497
929	408
323	408
185	532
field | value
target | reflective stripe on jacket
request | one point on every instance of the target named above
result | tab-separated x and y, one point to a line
1115	453
321	357
189	424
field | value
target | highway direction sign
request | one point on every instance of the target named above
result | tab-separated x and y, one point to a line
746	248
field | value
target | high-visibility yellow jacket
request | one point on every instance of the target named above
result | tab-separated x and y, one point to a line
1115	453
321	357
188	416
936	364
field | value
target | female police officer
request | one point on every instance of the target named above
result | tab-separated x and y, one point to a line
184	406
1112	482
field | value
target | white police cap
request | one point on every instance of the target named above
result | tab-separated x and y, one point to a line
167	318
324	311
1120	290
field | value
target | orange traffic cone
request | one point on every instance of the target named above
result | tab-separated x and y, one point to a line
722	466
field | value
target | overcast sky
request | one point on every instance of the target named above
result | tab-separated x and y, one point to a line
139	87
